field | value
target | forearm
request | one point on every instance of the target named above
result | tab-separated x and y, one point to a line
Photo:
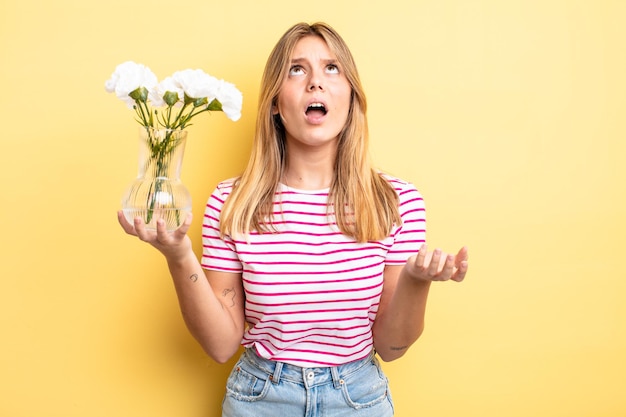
208	316
214	316
401	322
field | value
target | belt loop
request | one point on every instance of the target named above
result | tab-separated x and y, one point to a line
337	381
275	377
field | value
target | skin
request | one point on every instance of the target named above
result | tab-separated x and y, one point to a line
213	308
311	138
400	319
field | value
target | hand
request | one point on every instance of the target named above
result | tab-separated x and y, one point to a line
437	265
171	244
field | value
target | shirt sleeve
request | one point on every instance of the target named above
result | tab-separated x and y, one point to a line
218	254
409	237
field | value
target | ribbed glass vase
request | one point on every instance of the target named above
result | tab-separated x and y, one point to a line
157	192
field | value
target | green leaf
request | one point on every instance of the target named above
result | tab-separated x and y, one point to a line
200	102
215	105
139	94
170	98
188	100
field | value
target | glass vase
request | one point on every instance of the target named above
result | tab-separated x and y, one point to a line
157	192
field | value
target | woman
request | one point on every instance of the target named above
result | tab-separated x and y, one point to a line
312	260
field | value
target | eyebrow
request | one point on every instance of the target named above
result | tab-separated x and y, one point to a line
326	61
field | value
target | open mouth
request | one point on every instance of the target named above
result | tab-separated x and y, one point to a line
316	108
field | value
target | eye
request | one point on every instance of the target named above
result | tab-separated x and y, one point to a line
332	69
296	70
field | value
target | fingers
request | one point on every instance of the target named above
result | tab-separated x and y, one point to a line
172	244
433	268
462	255
447	271
184	228
159	236
420	259
166	237
141	231
128	228
462	265
440	266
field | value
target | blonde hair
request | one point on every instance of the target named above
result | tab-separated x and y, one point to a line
364	204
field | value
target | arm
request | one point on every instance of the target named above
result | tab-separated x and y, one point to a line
400	318
211	302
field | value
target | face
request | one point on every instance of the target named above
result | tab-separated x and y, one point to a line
314	99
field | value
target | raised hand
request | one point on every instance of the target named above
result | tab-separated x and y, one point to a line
172	244
438	265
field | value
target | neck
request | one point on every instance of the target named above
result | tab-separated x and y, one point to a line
309	170
304	181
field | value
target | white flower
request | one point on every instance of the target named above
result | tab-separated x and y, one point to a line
192	91
167	85
128	77
230	98
196	83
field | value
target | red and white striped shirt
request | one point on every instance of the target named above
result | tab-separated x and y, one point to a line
311	292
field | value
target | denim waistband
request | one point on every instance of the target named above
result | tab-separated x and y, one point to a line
310	377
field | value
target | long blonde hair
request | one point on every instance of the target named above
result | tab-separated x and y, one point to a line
364	204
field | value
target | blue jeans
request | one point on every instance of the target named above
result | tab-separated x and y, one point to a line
259	387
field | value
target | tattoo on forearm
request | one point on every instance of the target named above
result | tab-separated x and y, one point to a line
194	277
229	293
398	347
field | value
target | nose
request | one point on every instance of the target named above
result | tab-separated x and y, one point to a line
315	83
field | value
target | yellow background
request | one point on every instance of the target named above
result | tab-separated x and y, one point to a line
507	115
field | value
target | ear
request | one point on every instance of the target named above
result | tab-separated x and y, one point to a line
275	110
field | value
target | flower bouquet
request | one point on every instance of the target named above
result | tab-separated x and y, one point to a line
164	109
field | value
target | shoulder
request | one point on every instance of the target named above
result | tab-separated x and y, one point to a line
404	189
225	187
410	202
221	192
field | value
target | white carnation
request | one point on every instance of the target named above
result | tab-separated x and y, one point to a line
181	89
168	84
230	98
128	77
196	83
